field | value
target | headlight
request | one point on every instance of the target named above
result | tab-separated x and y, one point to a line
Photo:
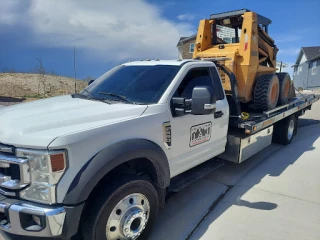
46	169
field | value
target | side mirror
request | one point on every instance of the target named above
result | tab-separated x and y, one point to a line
91	81
203	101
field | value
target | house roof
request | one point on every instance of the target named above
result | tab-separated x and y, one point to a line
185	39
311	53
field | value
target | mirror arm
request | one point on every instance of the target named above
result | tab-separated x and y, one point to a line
183	106
179	111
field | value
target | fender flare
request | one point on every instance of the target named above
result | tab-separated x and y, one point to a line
109	158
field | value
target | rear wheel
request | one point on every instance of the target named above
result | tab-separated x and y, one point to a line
284	130
126	211
285	86
266	92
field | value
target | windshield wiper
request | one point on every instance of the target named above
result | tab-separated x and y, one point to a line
90	94
123	98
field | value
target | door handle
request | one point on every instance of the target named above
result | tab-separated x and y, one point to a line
218	114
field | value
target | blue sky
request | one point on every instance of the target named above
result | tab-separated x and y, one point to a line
109	32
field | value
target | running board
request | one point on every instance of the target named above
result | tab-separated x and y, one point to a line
184	179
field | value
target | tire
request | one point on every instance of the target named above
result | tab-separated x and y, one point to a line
284	131
285	88
104	207
266	92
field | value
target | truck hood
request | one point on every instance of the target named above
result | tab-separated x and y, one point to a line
39	122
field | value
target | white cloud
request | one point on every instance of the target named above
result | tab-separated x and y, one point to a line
186	17
113	29
9	11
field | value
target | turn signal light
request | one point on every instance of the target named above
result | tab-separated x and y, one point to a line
57	162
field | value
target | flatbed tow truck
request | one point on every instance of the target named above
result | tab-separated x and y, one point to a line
101	163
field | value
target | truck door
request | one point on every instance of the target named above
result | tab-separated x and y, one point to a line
197	138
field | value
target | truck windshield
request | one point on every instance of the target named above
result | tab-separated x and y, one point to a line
137	84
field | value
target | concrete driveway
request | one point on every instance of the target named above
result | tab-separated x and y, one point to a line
278	199
273	195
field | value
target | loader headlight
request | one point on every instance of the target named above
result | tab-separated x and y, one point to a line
46	169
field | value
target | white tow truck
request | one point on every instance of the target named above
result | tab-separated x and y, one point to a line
101	162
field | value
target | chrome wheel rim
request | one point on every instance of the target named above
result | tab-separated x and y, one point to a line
290	129
128	218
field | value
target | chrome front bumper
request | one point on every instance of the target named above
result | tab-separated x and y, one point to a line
16	217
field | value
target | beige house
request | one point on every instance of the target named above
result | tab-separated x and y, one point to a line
186	47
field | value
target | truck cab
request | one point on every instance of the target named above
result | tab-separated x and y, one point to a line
101	161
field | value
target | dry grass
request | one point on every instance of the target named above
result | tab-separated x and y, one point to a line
29	85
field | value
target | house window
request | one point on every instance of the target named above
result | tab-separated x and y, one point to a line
191	48
314	68
300	69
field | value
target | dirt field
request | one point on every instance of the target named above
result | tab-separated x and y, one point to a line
21	87
36	85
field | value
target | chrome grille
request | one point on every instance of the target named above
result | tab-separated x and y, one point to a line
6	149
14	172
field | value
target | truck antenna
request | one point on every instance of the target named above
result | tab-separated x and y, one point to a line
74	69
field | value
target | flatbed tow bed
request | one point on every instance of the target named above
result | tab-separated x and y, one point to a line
258	121
247	137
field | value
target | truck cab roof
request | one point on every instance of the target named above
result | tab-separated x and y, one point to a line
163	62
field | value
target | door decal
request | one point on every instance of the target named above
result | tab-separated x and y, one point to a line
200	133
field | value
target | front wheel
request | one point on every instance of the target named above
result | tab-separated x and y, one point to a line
126	211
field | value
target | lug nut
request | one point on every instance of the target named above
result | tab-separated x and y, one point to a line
127	230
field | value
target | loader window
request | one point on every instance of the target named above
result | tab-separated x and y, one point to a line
225	34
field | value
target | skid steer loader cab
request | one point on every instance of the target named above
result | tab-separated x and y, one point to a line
250	53
232	21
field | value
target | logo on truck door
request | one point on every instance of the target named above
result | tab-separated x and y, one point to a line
200	133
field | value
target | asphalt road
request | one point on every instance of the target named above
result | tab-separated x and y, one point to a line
273	195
